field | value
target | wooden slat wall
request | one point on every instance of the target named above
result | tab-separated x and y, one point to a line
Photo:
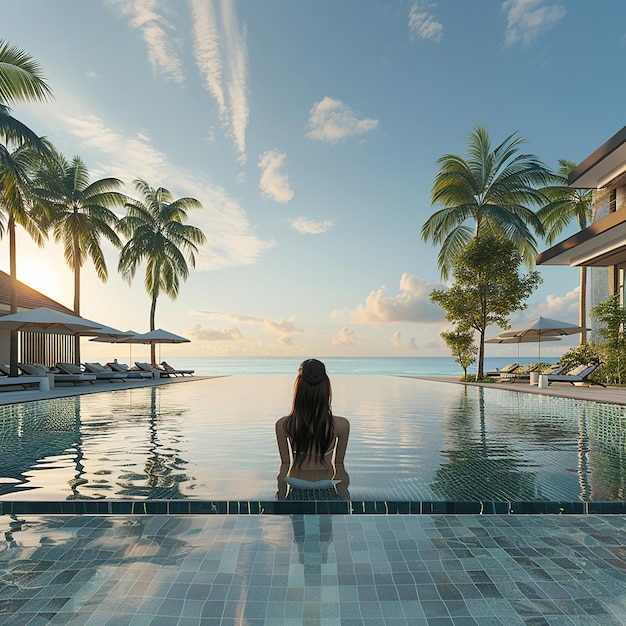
46	348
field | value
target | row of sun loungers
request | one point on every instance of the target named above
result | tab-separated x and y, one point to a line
513	372
31	375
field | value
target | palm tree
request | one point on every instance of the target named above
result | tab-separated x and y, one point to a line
564	205
81	216
492	189
158	235
21	79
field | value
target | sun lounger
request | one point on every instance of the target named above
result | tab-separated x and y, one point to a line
59	376
156	372
507	369
579	374
170	370
71	373
130	373
101	373
25	382
521	373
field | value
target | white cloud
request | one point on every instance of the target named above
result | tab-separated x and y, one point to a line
230	240
310	227
333	121
422	23
345	337
528	19
397	341
157	32
198	333
412	304
556	307
274	182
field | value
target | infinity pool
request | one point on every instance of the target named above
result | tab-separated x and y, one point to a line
411	439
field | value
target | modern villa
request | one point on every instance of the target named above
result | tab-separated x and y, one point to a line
603	243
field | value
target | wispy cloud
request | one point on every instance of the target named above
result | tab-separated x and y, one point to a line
158	33
199	333
230	240
423	24
274	182
206	47
412	304
345	337
528	19
397	341
332	121
221	55
310	227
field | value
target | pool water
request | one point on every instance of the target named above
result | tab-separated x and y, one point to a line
410	439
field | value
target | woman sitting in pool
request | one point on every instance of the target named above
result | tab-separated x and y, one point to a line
312	441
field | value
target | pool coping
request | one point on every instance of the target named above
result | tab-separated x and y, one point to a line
14	508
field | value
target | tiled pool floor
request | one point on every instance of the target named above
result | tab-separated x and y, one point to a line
315	569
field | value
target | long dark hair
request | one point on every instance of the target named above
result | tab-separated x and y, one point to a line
310	423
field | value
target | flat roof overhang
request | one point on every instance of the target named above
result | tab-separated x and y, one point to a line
602	166
601	244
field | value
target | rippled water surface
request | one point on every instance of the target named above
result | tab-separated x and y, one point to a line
410	440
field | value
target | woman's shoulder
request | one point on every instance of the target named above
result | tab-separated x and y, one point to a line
341	423
280	422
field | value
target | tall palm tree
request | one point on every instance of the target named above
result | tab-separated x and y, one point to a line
16	208
157	234
490	191
81	216
566	204
21	79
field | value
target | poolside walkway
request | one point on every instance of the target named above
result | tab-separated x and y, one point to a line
595	393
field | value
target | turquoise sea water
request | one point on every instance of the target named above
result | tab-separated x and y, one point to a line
418	366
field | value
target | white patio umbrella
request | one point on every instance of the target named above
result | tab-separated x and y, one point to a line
158	336
520	339
541	328
45	320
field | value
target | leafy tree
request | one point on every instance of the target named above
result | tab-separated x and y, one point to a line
461	345
566	204
489	192
487	288
612	315
81	216
158	235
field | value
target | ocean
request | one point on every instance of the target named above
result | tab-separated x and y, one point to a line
416	366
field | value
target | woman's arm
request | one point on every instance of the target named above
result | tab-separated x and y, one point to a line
342	429
281	439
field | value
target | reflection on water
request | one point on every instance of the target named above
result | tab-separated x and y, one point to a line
410	440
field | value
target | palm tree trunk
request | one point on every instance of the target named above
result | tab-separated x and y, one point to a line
76	302
582	312
152	316
13	349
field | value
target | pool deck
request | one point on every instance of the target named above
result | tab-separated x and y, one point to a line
332	570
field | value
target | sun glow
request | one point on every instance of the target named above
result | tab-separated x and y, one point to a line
39	276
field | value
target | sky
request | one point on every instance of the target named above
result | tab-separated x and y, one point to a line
309	131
